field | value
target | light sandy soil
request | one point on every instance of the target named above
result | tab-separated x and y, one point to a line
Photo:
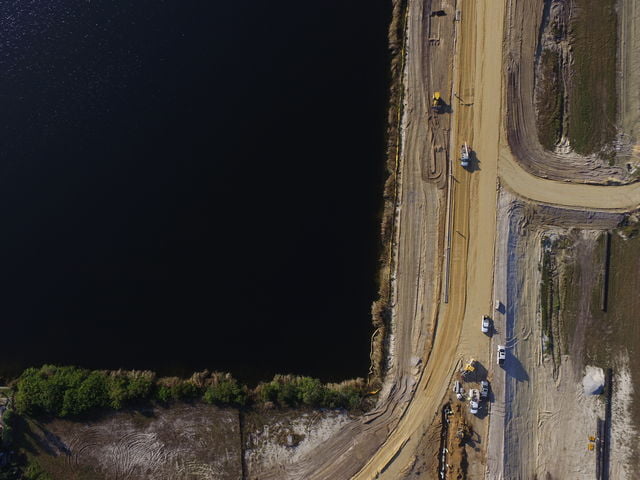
286	437
623	432
542	420
181	442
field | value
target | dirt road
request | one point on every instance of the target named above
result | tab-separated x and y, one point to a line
418	263
537	398
479	70
429	337
472	238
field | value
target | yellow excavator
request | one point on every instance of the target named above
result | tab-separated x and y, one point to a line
469	368
436	103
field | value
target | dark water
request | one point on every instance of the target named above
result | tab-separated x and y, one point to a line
189	184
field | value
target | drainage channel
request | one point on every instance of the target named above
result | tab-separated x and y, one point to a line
444	434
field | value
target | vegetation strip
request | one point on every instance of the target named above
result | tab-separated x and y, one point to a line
381	308
592	95
550	100
68	392
575	93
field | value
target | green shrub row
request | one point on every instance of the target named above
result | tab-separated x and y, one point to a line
71	391
291	391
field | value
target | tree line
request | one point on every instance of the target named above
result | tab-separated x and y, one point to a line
67	391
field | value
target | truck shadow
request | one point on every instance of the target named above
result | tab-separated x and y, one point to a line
513	368
474	163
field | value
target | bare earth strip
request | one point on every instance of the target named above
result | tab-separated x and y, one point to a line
541	419
629	75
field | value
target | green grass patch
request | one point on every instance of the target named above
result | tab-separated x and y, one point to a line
592	95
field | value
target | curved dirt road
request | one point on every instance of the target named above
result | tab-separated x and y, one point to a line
595	197
419	242
479	79
479	66
429	336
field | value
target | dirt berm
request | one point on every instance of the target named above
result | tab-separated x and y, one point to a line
523	23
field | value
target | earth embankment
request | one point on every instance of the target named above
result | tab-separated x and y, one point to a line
522	31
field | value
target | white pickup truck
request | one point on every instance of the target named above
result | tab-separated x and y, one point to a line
502	354
474	401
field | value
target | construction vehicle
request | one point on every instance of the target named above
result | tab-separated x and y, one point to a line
436	103
484	389
458	390
485	326
470	367
464	155
502	355
474	401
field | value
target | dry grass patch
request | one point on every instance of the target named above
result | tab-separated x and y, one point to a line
592	91
550	100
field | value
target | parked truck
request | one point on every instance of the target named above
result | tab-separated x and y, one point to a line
464	155
474	401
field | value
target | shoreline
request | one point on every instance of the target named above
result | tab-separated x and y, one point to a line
381	307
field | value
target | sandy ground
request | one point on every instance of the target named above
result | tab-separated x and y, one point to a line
541	421
182	442
623	432
275	438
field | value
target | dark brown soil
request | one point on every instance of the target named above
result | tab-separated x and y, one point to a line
608	334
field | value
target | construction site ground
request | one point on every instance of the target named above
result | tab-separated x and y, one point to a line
465	238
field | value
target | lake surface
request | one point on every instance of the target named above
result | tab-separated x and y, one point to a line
189	185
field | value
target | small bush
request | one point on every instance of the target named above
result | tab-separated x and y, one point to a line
227	392
71	391
291	391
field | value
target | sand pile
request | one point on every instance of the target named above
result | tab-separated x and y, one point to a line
593	381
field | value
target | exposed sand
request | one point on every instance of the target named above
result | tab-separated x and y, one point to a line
542	420
623	432
181	442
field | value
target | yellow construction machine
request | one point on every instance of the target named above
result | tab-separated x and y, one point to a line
469	368
436	103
